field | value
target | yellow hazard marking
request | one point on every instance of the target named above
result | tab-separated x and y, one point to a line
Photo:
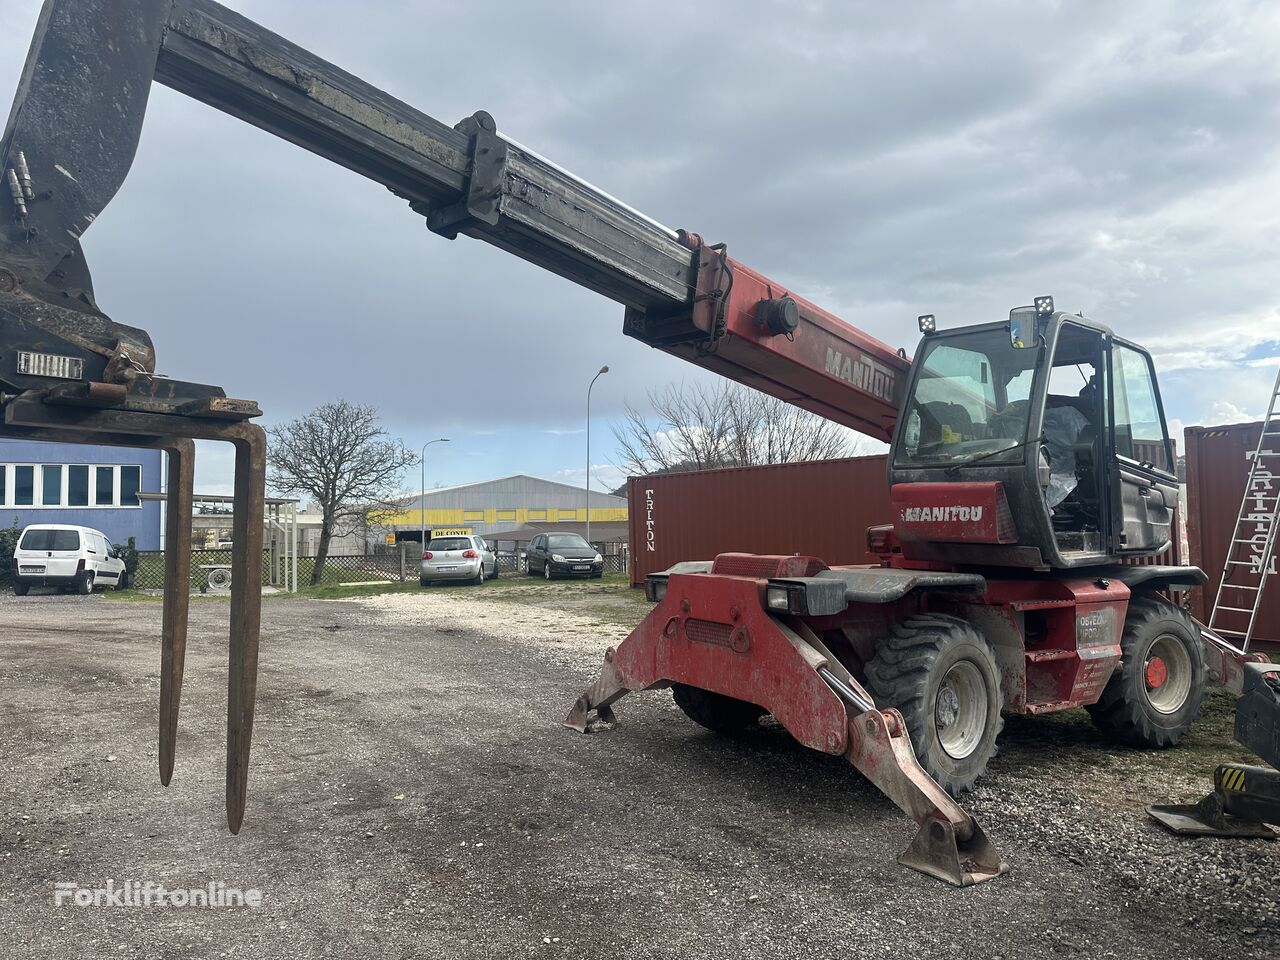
1233	779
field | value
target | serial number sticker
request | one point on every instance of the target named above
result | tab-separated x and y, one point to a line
50	365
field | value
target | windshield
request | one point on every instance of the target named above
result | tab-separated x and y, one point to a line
969	400
449	543
566	541
44	539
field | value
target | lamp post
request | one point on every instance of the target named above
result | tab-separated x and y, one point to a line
604	369
422	496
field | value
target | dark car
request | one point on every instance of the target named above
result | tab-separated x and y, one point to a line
562	555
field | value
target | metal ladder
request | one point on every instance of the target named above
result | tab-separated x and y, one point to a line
1251	554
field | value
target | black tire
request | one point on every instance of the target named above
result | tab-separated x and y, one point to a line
495	570
123	582
940	674
21	589
546	571
715	711
1131	709
479	577
424	582
84	586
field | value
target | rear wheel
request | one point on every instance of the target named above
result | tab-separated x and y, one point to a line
21	589
424	581
85	585
479	577
1154	695
715	711
941	675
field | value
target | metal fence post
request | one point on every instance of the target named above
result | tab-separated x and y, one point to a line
402	561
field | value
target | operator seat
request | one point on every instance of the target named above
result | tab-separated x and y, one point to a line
950	415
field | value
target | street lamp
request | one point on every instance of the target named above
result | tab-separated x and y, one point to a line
422	496
604	369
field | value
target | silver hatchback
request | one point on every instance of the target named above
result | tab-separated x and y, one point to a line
466	558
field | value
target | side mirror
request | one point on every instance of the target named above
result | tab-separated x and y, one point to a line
1026	328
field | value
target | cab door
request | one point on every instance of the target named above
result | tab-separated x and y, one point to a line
1144	484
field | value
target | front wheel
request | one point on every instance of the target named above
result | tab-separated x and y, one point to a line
940	674
1153	697
546	570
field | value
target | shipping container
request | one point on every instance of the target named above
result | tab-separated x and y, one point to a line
1218	460
820	509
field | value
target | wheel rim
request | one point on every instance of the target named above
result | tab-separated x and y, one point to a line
1167	673
546	570
960	710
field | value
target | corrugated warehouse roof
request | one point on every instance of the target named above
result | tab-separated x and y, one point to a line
521	489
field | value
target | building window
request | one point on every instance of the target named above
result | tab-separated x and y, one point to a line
51	485
537	514
56	485
104	488
130	483
473	516
77	485
506	514
24	486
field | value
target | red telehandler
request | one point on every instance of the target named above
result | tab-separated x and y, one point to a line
1029	462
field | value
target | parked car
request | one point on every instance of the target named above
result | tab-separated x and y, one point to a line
458	558
562	555
58	555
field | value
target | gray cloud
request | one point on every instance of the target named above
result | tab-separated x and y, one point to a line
883	159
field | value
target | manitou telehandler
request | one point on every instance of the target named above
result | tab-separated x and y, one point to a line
1029	461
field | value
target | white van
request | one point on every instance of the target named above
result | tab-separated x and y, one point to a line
57	555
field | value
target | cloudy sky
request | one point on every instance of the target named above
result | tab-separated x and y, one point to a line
884	159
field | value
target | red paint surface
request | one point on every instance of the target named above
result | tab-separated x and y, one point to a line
1218	461
819	509
952	512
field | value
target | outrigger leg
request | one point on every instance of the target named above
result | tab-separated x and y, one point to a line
712	632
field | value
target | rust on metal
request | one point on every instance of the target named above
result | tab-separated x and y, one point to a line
27	415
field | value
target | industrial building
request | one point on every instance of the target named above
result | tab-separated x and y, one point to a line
511	508
83	485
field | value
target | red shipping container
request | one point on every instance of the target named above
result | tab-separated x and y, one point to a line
1218	460
821	509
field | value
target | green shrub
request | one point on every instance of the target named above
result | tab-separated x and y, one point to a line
8	543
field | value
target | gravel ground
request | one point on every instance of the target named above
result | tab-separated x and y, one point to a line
413	794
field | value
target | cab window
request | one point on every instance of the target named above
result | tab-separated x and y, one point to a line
969	400
1140	431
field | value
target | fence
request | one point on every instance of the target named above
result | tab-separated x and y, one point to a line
390	563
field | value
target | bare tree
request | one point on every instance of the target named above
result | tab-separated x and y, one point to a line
696	427
340	456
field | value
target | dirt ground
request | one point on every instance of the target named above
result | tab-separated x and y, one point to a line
413	794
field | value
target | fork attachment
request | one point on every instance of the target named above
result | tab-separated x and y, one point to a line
713	632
